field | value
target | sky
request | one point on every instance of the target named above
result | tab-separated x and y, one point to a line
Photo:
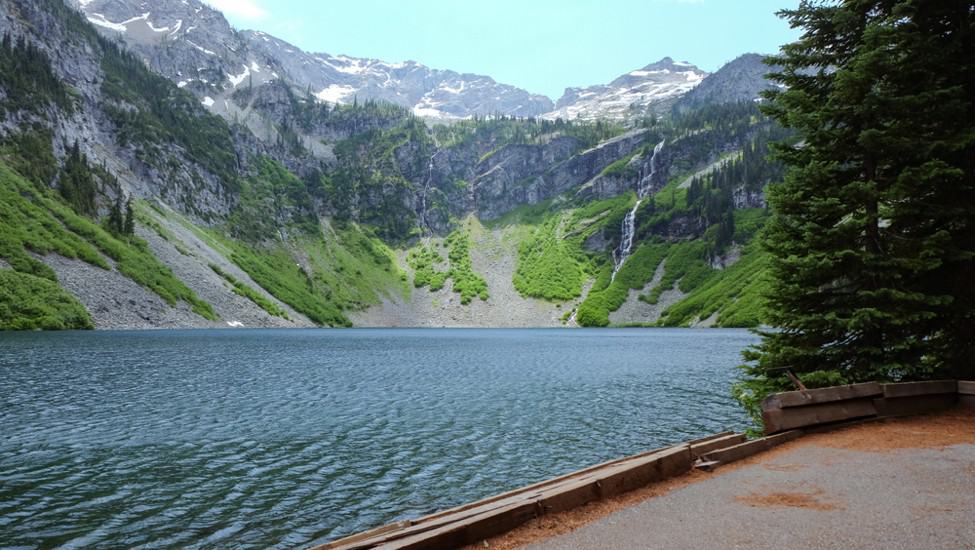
543	46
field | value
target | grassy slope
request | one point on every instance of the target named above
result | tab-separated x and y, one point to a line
33	220
552	264
28	302
345	267
735	293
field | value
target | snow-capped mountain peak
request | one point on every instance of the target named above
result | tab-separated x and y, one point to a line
195	46
650	89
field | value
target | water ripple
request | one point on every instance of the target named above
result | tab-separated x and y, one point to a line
280	439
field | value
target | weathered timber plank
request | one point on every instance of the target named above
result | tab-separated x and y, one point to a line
821	395
780	420
966	387
915	404
384	535
706	447
469	530
749	448
907	389
708	438
646	471
569	496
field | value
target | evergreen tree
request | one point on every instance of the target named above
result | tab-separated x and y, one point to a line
873	232
77	183
115	220
128	226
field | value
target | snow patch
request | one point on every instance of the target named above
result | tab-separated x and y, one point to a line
201	48
235	80
143	17
425	111
335	93
207	101
99	19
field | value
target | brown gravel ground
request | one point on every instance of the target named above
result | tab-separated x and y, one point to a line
934	431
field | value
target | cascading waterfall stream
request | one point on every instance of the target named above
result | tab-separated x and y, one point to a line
423	196
628	229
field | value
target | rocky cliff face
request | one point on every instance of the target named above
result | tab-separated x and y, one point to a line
161	164
528	174
652	89
193	45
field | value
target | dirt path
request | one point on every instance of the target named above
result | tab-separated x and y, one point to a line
904	483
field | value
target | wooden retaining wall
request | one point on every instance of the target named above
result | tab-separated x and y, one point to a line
787	416
826	406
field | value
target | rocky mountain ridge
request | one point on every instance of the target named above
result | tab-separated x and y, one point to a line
194	45
741	79
647	91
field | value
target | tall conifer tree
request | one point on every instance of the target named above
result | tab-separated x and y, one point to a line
873	232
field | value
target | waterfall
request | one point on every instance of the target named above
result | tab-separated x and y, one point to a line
628	229
423	196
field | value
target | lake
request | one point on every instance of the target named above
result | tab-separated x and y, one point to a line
284	438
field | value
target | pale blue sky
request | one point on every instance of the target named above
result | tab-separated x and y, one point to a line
540	45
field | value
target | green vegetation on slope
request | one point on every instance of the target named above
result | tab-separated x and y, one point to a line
425	261
163	114
735	294
270	198
33	220
466	282
505	130
371	168
552	262
338	268
277	272
549	266
28	302
607	294
242	289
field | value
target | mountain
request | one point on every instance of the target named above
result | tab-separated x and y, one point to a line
192	44
125	202
741	79
652	89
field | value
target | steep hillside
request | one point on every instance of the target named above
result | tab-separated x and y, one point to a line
291	211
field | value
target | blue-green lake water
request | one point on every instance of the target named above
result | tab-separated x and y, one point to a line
257	439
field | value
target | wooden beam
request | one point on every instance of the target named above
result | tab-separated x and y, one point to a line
915	404
908	389
780	420
706	447
749	448
822	395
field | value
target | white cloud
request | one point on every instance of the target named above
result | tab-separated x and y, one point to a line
244	9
